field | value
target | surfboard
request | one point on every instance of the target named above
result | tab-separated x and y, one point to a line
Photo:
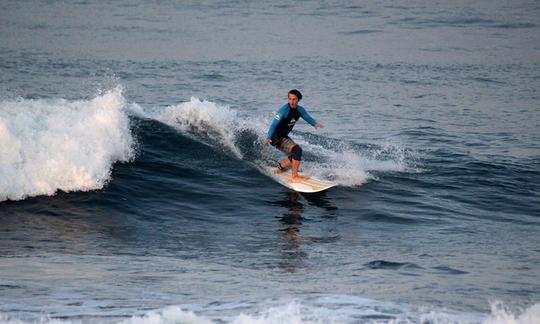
308	186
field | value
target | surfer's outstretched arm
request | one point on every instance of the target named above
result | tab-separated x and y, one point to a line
307	117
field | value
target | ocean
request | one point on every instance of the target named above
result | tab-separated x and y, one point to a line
134	182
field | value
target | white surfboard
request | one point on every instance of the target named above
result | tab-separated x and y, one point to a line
309	185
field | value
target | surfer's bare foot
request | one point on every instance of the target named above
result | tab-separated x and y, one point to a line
299	178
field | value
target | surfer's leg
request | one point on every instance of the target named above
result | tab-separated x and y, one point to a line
295	176
296	157
285	145
285	163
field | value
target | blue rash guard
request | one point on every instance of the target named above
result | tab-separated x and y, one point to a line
285	120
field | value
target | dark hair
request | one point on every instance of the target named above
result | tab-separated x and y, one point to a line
296	93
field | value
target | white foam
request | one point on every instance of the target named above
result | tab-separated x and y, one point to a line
325	309
200	118
349	166
55	144
289	313
169	315
500	314
4	319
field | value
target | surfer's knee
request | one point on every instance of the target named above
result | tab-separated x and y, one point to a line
297	153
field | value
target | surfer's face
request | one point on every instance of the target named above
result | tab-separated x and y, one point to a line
293	100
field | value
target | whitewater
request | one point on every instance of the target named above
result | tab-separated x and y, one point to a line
51	145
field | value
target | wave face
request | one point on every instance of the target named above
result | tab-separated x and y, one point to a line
56	144
226	130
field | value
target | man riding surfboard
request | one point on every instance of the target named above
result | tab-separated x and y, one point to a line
278	134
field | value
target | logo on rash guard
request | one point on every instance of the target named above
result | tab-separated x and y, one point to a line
278	116
293	121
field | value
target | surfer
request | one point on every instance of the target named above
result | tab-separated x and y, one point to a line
278	134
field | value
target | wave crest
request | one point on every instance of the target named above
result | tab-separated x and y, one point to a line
48	145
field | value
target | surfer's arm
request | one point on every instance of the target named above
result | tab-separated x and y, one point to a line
281	113
306	116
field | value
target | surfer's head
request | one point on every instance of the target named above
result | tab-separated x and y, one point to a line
294	96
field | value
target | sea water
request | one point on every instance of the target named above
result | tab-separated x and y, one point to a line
131	139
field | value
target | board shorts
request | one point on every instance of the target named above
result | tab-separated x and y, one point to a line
285	145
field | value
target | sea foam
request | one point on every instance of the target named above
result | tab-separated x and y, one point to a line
332	309
204	119
48	145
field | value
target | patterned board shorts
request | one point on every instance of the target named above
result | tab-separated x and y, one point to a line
286	145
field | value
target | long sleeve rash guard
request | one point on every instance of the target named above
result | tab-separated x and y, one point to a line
285	119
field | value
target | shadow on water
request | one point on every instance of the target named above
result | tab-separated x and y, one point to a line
321	200
291	255
292	219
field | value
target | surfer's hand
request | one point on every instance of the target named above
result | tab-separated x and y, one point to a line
267	141
317	126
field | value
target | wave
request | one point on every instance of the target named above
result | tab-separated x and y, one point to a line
51	145
226	129
202	120
318	309
466	22
48	145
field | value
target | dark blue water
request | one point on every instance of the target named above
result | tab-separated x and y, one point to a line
132	169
